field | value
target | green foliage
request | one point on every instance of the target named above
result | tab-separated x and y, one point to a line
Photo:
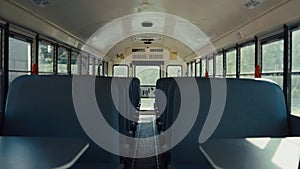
231	62
219	65
210	67
203	62
121	71
46	53
247	61
148	74
272	57
62	56
174	71
296	51
295	87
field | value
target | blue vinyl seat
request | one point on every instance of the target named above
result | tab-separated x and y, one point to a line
253	108
43	106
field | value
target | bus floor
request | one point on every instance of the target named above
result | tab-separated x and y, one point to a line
147	129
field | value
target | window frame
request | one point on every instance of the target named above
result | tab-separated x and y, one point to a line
209	60
53	57
269	40
1	48
232	49
82	56
189	69
292	73
68	49
181	74
193	68
219	54
23	38
92	62
246	44
198	66
203	72
78	52
154	64
113	69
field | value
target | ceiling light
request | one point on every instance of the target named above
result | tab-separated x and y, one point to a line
148	39
147	24
41	3
145	39
250	4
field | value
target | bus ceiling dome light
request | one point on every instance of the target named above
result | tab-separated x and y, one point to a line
147	39
239	35
41	3
250	4
147	24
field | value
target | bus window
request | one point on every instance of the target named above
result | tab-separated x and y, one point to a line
210	67
45	58
231	64
62	60
101	69
105	69
295	74
148	75
19	58
272	61
219	65
247	61
174	71
92	66
198	68
84	64
120	70
193	69
97	66
203	62
1	71
189	69
75	61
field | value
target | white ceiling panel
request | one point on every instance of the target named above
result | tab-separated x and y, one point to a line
85	17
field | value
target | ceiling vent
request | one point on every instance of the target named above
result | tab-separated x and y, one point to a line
41	3
250	4
156	50
156	56
138	50
139	56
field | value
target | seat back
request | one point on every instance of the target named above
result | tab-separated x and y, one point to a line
253	108
167	110
43	106
127	99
